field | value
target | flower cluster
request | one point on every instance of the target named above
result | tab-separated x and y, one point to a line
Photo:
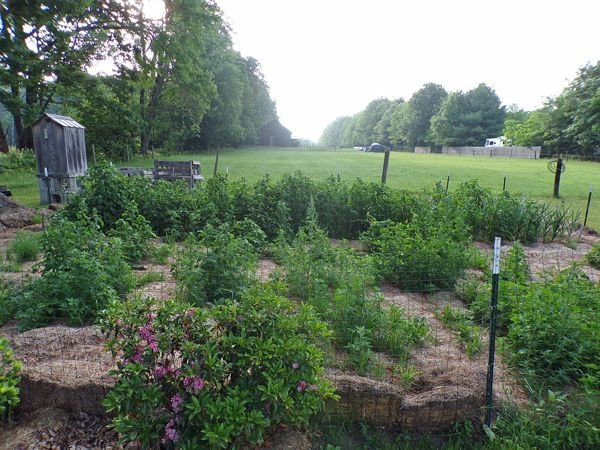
171	434
193	384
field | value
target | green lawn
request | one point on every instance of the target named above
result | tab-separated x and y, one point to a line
406	171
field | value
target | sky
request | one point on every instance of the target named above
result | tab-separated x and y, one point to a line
329	58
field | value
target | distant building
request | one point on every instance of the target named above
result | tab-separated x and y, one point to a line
274	134
59	144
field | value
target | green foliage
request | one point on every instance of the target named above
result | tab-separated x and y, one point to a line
593	256
359	351
468	118
7	303
105	191
135	233
82	271
511	218
215	378
422	255
25	246
214	267
338	283
9	380
17	159
461	322
149	277
554	332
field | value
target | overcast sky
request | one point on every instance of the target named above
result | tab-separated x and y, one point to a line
328	58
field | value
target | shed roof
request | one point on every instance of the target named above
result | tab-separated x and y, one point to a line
63	121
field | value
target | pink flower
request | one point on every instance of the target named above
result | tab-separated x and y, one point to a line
313	387
171	434
160	372
154	346
193	384
176	402
190	312
137	358
295	365
301	386
146	332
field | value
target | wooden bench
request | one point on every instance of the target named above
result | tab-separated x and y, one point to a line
189	171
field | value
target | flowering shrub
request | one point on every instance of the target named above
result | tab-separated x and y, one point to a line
9	380
213	378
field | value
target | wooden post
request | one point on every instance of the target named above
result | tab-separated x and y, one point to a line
559	169
216	163
386	162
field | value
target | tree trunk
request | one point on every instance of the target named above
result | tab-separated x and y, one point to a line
3	143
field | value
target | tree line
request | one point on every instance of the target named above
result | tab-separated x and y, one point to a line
177	83
433	117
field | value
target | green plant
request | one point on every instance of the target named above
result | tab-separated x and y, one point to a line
7	301
461	322
593	256
160	253
359	351
149	277
9	380
423	255
553	333
215	378
135	233
214	267
81	272
25	246
18	159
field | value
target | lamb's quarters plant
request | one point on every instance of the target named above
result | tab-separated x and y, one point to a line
421	255
10	370
106	191
250	232
135	233
81	272
553	333
214	267
214	378
25	246
308	260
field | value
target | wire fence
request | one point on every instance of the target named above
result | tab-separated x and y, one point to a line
440	380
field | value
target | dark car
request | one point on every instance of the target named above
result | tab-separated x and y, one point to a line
376	148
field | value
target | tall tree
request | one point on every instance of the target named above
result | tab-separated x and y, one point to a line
169	59
45	44
412	123
468	118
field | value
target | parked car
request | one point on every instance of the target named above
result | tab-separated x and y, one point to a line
376	148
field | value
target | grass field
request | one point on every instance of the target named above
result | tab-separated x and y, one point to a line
406	171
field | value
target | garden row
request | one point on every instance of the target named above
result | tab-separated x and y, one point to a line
230	357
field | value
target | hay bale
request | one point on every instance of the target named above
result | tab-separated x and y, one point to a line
63	367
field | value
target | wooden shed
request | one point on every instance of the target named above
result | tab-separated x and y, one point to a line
274	134
59	143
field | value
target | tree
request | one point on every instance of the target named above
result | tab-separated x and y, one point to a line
411	124
47	44
333	134
108	107
468	118
577	113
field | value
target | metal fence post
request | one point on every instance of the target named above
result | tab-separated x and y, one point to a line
489	398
